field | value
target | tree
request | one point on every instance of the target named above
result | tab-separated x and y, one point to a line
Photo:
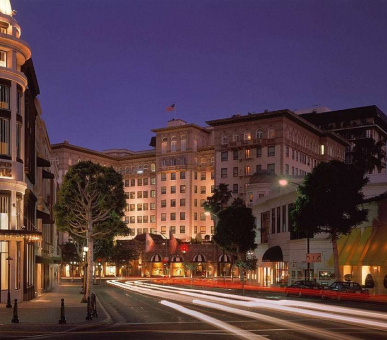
330	201
123	253
218	201
90	206
369	154
235	231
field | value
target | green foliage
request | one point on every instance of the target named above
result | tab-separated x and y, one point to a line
69	253
235	230
330	200
190	265
248	264
368	154
91	195
218	201
123	252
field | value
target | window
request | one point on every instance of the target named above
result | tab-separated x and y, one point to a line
139	194
182	189
132	207
235	155
202	190
287	151
202	229
271	133
278	219
139	182
195	216
173	203
182	202
247	154
271	167
172	229
132	195
322	149
18	140
173	216
259	151
258	167
145	206
182	229
173	176
173	189
258	134
273	221
3	59
145	194
235	137
4	212
212	175
224	156
224	140
152	218
163	203
202	201
182	216
163	177
203	176
132	182
235	188
284	218
195	229
164	143
5	148
163	190
223	173
163	217
195	189
247	135
132	231
212	189
287	169
145	220
139	219
163	229
182	175
153	180
183	143
173	144
247	170
202	216
153	206
153	193
271	151
132	219
139	206
153	167
126	183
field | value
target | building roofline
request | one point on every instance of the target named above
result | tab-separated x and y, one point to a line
177	127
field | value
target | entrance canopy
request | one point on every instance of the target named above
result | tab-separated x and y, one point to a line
198	258
224	258
273	254
156	258
177	259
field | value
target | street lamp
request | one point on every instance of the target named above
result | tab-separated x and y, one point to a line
284	182
9	282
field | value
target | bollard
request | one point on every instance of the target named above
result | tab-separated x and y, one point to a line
88	315
62	319
94	305
15	318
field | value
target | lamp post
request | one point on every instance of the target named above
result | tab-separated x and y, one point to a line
284	182
9	305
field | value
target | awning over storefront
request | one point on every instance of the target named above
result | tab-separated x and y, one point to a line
156	258
43	163
46	218
198	258
377	251
346	247
273	254
176	259
224	258
360	247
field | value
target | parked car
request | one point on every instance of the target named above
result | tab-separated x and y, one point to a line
343	289
304	287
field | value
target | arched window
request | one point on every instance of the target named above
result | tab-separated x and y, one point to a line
173	144
235	137
183	143
271	133
153	167
146	168
164	143
224	140
127	170
247	135
258	134
195	143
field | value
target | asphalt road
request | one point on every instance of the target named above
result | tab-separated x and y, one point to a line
152	312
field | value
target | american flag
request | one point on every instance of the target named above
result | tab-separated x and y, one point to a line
171	108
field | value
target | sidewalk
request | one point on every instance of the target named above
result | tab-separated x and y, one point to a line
43	312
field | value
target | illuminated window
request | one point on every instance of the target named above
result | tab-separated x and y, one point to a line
3	59
183	143
271	133
4	97
4	212
164	144
172	229
173	144
5	148
202	230
182	189
322	149
247	135
182	229
247	153
247	170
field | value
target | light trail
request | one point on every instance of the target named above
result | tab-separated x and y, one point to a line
214	322
323	334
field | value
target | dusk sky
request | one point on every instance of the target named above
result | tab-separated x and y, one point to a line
107	69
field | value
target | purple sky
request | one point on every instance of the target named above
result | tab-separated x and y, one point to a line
107	69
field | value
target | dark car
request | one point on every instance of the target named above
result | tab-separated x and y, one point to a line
304	287
344	289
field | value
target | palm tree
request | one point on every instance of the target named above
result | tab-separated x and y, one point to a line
218	201
369	154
